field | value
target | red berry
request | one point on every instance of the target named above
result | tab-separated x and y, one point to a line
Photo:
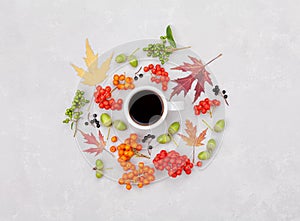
199	164
162	69
188	171
153	71
150	66
206	106
157	67
216	102
203	111
146	69
206	100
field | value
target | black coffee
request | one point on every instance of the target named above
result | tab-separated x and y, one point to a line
145	107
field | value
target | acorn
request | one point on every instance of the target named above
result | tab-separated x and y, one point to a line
106	120
163	139
174	128
204	155
121	58
219	126
120	125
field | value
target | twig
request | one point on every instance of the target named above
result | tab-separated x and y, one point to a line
138	71
176	49
90	120
207	124
225	99
172	138
134	52
108	133
137	154
109	152
76	127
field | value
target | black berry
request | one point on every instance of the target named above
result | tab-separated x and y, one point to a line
94	115
86	123
224	92
136	78
225	96
141	75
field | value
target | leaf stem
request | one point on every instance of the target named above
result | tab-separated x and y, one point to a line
213	60
193	154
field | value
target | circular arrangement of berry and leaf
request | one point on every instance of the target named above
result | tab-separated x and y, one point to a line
147	110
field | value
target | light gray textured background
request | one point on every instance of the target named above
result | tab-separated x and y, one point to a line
255	175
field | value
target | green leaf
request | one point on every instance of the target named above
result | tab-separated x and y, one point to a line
72	125
170	37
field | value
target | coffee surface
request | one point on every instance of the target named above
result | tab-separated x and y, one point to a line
145	107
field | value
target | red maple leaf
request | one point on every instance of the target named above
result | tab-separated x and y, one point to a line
198	72
91	139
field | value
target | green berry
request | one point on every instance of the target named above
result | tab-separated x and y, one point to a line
99	174
99	164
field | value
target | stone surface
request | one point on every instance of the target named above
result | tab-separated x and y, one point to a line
255	175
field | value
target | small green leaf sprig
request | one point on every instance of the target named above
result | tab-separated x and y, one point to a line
74	112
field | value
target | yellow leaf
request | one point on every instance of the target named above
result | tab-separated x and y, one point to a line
80	71
90	56
93	75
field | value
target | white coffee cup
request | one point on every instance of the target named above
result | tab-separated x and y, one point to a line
166	106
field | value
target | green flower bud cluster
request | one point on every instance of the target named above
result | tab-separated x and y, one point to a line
73	113
159	50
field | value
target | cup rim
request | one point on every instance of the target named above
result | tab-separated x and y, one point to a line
126	108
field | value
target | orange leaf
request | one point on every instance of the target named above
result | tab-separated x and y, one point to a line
192	139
